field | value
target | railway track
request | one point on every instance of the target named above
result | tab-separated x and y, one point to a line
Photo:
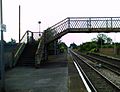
107	58
97	82
106	63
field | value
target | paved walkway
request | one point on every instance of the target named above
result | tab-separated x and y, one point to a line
51	77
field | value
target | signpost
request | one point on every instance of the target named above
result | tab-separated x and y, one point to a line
3	27
2	71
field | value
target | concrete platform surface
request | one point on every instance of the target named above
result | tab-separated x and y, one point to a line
51	77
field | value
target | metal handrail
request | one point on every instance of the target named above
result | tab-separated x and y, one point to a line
59	22
86	18
23	36
91	17
20	46
39	51
18	50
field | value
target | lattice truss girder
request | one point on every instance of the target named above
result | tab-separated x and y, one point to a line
86	23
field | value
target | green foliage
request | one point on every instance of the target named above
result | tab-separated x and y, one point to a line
73	46
13	41
108	46
62	47
109	40
4	42
88	46
102	39
116	44
96	43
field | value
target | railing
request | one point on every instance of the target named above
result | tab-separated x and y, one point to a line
60	26
95	22
40	51
86	23
28	37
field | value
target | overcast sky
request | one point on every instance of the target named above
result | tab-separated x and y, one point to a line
49	12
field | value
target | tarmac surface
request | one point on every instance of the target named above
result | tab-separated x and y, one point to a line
50	77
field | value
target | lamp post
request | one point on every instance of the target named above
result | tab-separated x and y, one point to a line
115	44
39	22
101	44
19	22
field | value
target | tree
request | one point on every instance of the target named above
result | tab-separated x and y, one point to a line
102	39
62	47
87	46
13	41
109	40
73	46
4	42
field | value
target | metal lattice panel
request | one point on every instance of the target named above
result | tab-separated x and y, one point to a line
86	24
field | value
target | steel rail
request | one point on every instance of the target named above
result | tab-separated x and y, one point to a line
89	86
109	66
105	81
107	58
115	68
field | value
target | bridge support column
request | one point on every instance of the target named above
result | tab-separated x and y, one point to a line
45	53
45	48
55	47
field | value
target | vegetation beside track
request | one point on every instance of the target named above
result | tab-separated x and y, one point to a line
102	44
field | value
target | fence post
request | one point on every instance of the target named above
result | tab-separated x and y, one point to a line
111	23
106	23
89	22
68	22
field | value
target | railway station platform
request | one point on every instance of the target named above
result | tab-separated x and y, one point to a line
50	77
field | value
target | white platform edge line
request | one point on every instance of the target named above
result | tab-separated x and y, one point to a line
84	81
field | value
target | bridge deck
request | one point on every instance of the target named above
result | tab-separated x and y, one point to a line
93	30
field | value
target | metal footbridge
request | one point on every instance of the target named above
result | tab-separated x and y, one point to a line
68	25
85	25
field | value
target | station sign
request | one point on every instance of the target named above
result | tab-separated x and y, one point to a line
3	27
